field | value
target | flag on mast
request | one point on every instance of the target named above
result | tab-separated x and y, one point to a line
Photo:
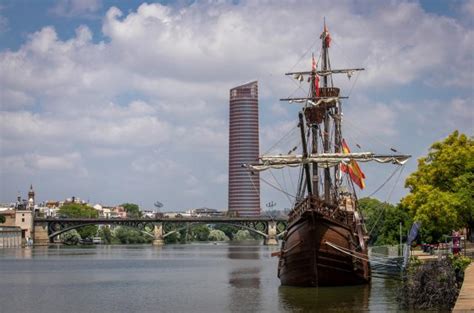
353	169
326	36
316	77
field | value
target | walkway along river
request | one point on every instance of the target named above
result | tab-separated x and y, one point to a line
173	278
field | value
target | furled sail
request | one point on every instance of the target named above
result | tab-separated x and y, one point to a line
326	72
324	160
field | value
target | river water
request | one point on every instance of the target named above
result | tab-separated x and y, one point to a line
174	278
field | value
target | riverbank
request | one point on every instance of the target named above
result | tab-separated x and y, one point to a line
465	300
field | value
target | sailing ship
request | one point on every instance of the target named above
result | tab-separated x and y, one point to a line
325	243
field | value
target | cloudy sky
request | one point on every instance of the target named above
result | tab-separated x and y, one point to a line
123	101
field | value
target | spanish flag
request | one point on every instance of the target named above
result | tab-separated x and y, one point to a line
352	168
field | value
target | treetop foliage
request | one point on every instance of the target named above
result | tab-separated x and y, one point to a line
132	209
78	210
441	190
383	220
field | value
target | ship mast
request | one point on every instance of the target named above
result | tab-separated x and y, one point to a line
314	132
326	67
322	109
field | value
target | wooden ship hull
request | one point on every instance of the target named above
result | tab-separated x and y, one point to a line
320	250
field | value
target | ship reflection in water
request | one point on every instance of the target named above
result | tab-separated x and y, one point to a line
324	299
244	250
244	280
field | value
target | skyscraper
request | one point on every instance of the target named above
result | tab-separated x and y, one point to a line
244	187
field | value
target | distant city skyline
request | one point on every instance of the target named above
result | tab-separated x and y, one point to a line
126	101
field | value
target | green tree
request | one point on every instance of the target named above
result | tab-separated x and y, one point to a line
442	189
130	236
2	219
106	235
77	210
228	230
383	220
242	234
71	237
132	209
200	232
173	238
217	235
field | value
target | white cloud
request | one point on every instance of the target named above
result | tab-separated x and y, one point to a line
468	7
160	80
366	117
34	162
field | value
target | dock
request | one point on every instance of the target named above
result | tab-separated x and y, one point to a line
465	301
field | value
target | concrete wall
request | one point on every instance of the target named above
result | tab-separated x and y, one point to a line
10	237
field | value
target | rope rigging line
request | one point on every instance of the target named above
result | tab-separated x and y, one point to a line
281	139
388	199
353	84
354	254
281	188
297	62
350	60
275	187
363	132
291	180
283	179
386	181
304	54
257	192
299	85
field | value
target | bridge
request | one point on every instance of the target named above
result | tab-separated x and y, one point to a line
46	229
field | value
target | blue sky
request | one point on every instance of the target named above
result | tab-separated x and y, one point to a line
127	101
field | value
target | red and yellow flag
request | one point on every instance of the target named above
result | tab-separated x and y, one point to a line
352	168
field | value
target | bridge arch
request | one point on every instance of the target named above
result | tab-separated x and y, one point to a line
237	225
270	229
65	229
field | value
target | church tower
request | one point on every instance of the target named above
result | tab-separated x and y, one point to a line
31	198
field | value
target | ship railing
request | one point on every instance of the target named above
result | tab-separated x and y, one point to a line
329	92
316	205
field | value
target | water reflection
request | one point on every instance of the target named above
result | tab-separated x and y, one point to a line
245	281
244	250
245	278
325	299
174	278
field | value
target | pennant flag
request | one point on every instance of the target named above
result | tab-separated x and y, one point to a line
326	37
316	78
353	169
316	85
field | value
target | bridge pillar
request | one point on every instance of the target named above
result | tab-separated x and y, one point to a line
40	234
271	239
158	233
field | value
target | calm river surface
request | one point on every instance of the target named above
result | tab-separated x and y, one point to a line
173	278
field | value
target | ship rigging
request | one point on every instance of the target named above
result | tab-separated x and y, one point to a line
326	240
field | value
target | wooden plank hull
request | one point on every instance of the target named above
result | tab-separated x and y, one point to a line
307	260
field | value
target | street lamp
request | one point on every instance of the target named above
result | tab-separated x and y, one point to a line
270	205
